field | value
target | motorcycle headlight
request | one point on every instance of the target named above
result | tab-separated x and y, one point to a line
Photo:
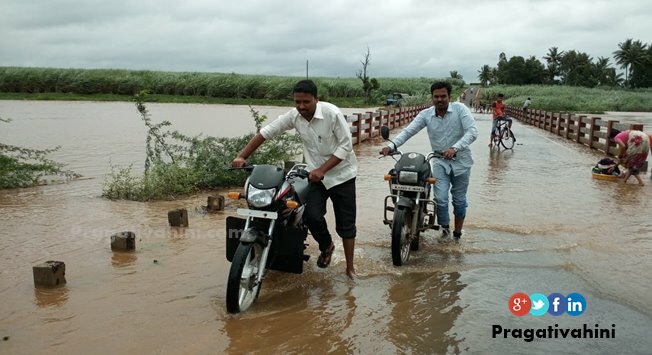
260	198
408	177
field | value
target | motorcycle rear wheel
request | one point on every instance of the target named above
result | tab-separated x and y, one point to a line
241	288
400	233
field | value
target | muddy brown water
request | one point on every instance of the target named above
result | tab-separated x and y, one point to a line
536	222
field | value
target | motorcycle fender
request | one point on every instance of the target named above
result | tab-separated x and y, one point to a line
253	236
405	202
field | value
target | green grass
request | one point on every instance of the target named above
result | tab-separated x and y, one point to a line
557	98
53	96
190	87
19	83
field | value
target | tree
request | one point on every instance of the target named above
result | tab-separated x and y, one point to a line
604	73
577	69
456	75
641	74
501	70
631	54
553	59
515	72
368	84
484	75
535	71
494	75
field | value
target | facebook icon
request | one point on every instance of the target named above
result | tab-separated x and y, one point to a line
557	303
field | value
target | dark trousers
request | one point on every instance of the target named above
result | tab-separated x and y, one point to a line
343	198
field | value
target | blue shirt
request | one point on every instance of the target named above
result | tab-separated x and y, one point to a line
455	130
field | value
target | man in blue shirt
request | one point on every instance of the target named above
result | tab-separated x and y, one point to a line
451	129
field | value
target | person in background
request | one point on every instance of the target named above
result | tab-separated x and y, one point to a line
328	151
498	114
526	105
451	130
633	150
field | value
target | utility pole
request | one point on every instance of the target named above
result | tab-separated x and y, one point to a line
307	69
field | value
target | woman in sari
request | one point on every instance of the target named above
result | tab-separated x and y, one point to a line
634	146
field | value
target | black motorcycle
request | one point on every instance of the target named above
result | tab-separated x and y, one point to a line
270	236
410	185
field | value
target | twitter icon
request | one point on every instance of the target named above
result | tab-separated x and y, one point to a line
539	304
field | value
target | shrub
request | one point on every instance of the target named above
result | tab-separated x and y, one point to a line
24	167
177	164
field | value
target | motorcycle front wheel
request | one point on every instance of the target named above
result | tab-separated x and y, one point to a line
400	234
242	288
414	245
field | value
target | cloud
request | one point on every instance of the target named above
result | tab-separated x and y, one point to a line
406	38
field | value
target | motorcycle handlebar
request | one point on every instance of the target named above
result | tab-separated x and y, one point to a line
396	152
435	154
438	154
302	173
247	166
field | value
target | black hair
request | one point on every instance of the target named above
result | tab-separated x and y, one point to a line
501	95
441	85
614	132
305	86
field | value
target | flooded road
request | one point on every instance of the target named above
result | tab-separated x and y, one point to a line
536	222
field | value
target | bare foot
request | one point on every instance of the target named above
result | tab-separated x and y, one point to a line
351	273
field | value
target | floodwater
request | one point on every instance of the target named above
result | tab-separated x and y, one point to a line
536	222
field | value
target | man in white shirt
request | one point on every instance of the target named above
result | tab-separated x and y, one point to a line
526	105
328	152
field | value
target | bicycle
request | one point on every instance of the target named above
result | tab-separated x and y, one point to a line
503	135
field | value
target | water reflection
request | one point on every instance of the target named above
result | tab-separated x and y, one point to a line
627	195
313	314
498	166
425	308
123	259
275	322
50	296
451	252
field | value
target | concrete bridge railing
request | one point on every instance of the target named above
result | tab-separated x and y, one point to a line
367	125
592	132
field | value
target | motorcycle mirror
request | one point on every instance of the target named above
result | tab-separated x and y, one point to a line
384	132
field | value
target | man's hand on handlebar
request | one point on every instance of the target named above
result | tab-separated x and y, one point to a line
316	176
238	162
449	153
386	151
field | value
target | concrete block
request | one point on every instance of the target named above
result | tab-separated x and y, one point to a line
123	241
215	203
178	218
50	273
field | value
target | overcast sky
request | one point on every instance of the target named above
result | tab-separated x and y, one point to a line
416	38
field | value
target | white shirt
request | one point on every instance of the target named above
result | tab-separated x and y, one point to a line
327	134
